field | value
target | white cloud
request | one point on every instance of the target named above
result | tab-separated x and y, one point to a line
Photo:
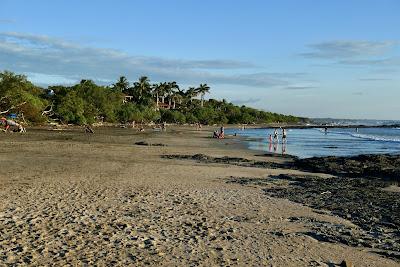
44	55
349	49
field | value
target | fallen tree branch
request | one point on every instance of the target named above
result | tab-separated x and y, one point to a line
12	107
48	112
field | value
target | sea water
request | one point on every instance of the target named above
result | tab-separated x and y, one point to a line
314	142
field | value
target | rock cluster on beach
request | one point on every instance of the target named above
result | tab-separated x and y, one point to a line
380	166
362	201
227	160
376	166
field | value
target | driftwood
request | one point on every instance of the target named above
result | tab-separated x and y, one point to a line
12	107
47	111
89	129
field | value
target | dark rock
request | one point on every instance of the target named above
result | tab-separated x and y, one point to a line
227	160
144	143
375	166
376	212
346	263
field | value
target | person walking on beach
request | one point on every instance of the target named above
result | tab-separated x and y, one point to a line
284	136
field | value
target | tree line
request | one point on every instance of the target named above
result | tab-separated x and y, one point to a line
123	102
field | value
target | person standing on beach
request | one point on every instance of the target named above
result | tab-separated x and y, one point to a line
276	135
284	136
222	132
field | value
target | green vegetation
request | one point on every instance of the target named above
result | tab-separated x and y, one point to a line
87	102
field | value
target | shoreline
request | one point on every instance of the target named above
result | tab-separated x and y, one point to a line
67	195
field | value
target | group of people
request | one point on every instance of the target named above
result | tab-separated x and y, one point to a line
220	134
275	139
11	125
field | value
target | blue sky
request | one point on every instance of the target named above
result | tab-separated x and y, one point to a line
310	58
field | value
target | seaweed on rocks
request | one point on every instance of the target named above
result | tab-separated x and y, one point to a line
227	160
144	143
386	167
376	166
362	201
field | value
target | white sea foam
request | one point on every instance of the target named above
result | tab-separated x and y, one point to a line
372	137
376	138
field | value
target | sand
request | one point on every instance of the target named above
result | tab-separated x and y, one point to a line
69	198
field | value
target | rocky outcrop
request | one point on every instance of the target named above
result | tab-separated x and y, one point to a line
377	166
362	201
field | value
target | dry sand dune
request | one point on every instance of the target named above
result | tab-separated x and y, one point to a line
70	198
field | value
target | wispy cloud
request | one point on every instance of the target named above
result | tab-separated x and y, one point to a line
246	101
393	61
299	87
374	79
51	56
6	21
349	49
359	93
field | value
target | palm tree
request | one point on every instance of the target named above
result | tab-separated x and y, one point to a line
190	93
157	91
177	97
122	85
202	90
171	89
142	88
163	91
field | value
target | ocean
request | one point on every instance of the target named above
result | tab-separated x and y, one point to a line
314	142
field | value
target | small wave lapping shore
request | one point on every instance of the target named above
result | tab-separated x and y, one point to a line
320	142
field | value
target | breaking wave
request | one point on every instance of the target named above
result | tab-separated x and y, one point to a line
381	138
376	138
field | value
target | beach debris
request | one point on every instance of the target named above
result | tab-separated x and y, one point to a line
89	129
144	143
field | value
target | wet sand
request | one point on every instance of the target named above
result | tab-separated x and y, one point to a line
79	199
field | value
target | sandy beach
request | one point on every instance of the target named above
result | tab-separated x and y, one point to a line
69	198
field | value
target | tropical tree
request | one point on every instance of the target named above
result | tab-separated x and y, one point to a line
163	91
142	89
202	90
156	92
191	93
86	102
18	95
172	88
176	97
122	85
